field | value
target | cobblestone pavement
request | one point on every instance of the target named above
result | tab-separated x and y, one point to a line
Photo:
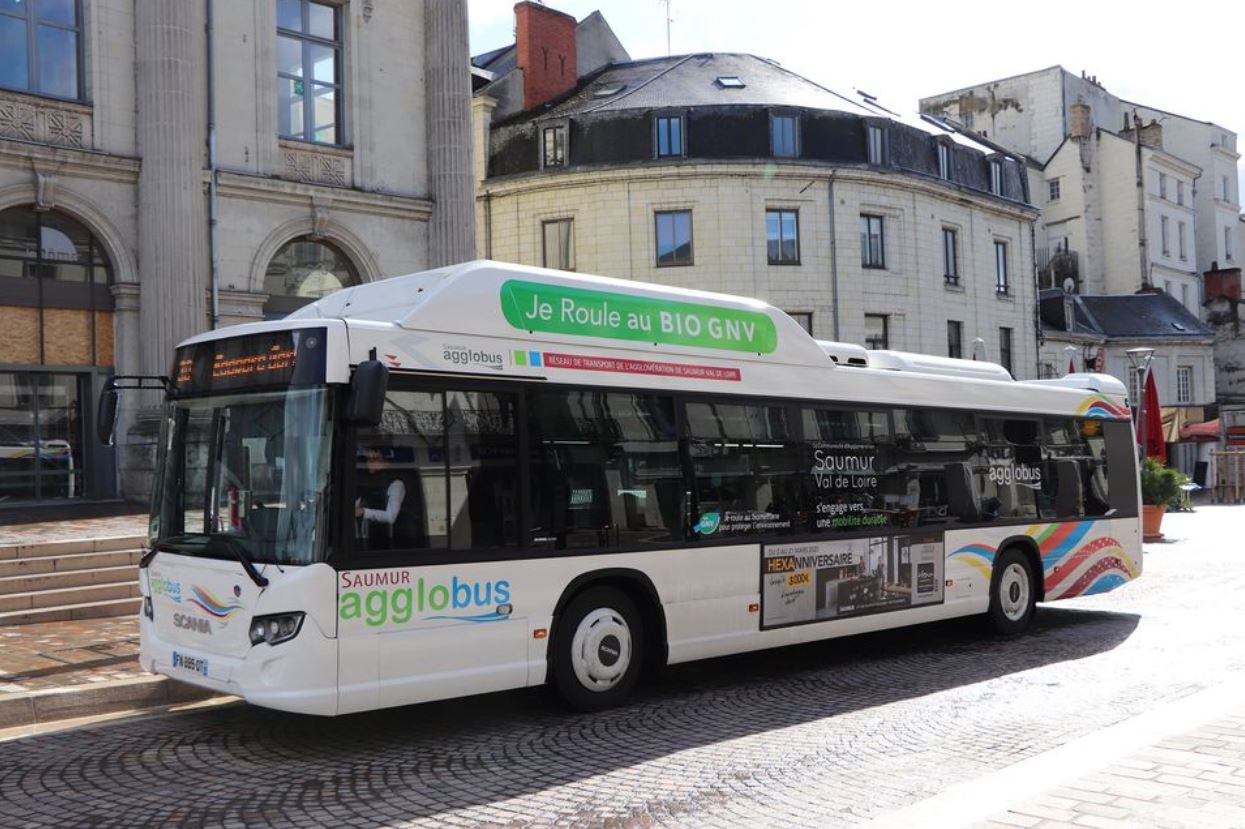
1195	779
63	654
832	734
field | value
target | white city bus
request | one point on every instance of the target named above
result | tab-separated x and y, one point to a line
489	476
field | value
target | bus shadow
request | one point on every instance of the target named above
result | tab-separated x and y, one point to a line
499	746
248	766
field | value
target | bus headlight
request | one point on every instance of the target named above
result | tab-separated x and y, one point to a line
276	628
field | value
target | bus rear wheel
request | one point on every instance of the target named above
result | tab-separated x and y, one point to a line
598	648
1013	593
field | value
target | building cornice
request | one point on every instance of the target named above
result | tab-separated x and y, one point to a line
295	193
22	155
597	175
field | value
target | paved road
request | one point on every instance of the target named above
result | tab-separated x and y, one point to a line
832	734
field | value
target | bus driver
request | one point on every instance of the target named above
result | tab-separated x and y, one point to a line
383	524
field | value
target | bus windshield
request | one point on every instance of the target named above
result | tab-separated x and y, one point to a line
248	469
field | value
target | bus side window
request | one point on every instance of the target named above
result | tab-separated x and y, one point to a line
1008	466
749	472
931	476
846	452
605	470
400	476
482	461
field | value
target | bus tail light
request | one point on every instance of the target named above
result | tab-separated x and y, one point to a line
276	628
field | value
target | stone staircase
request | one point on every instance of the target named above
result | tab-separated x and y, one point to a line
60	581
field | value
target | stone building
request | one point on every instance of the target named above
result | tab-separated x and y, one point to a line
166	167
726	172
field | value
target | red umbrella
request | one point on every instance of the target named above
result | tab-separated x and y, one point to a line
1151	431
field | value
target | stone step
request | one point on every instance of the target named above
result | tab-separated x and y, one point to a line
68	596
36	582
65	613
42	549
10	567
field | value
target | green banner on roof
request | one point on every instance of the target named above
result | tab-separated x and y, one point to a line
557	309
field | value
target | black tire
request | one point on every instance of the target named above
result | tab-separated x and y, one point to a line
1013	593
598	649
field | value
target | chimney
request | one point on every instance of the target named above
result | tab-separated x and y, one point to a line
545	52
1081	120
1152	135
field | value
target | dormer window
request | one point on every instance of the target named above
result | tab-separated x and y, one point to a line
944	162
553	145
996	176
730	82
878	144
783	131
669	136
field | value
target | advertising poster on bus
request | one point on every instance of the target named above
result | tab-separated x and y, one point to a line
818	581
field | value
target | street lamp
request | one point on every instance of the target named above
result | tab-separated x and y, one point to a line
1140	359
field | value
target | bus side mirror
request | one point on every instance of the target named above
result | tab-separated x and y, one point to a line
367	393
106	416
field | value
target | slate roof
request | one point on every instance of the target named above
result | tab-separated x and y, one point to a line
1124	316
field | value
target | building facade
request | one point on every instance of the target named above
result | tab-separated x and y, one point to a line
725	172
170	167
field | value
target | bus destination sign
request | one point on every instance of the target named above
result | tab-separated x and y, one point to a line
273	359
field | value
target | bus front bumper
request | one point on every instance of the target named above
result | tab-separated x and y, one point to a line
298	676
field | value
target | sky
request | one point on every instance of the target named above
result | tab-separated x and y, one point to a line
904	51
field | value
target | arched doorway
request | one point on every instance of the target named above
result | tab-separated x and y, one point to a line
56	315
301	272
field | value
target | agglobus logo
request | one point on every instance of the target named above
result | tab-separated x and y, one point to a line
397	599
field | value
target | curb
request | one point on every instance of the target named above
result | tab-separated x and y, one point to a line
29	708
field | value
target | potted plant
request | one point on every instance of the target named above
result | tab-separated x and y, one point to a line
1160	488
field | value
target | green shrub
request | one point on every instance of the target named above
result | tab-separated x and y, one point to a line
1161	484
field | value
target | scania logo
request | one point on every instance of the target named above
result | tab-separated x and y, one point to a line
194	623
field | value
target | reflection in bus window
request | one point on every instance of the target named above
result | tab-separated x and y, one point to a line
605	470
749	471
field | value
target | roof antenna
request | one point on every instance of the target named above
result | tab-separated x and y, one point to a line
669	20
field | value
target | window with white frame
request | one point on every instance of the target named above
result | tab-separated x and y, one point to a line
1162	185
1053	189
309	71
1001	284
1180	243
955	339
782	129
1184	384
1179	191
877	332
1163	236
1184	295
1227	243
877	144
669	136
996	176
944	162
41	47
553	145
673	229
782	237
558	243
1226	191
950	256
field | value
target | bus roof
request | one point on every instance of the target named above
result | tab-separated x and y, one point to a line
494	318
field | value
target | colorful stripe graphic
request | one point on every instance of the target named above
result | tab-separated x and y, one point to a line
206	601
1098	406
1071	565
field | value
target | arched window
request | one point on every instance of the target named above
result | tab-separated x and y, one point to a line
52	246
303	271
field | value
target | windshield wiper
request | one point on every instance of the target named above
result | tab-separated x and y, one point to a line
236	549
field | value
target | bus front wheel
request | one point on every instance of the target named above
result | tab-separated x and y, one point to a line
1013	593
597	649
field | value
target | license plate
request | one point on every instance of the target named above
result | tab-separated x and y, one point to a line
194	664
